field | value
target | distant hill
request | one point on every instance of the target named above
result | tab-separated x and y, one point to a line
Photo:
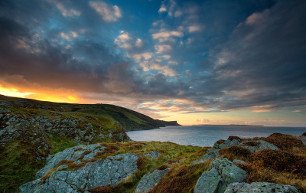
128	119
30	130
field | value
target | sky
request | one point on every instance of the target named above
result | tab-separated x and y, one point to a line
197	62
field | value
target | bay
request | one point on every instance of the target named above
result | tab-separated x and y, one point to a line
207	135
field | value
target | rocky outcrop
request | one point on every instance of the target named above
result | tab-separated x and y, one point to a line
222	173
257	145
231	141
78	129
208	182
252	145
259	187
78	170
78	154
148	181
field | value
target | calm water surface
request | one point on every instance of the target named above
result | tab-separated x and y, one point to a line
207	135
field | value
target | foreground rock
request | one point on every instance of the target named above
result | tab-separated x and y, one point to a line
86	174
78	154
150	180
222	173
259	187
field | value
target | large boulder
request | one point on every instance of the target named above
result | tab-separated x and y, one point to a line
77	154
303	138
150	180
258	145
208	182
211	153
78	170
259	187
222	173
152	155
231	141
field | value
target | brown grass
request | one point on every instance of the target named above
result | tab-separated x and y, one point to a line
285	142
64	162
251	143
234	137
280	161
181	179
277	166
102	189
141	162
235	152
261	174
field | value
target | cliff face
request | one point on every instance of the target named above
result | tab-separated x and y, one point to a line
30	130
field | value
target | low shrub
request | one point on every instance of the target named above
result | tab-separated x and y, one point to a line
251	143
285	142
102	189
235	152
280	161
181	179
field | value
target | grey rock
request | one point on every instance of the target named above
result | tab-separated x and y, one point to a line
211	153
303	139
222	173
150	180
152	154
259	187
259	145
76	153
229	172
227	143
107	172
208	182
238	161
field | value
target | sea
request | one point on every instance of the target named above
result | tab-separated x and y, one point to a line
207	135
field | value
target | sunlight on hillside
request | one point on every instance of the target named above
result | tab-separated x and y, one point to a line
14	92
52	96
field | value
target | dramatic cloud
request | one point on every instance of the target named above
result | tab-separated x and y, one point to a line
170	56
107	12
123	40
194	28
161	48
166	35
264	62
69	35
65	11
139	43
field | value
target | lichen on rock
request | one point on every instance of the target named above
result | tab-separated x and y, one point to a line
148	181
222	173
92	173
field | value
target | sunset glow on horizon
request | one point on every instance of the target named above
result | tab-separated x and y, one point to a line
196	62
